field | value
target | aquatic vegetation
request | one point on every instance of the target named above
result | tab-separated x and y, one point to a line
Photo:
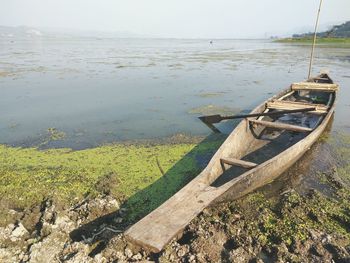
128	172
293	216
211	94
340	144
213	109
6	74
55	134
177	65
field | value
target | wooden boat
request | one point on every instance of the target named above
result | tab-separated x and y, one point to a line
256	152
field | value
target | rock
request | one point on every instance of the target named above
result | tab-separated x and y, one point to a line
181	252
236	217
128	253
49	249
25	258
239	255
9	255
138	256
18	232
171	257
76	252
12	212
201	257
64	224
5	232
113	203
99	258
259	260
326	239
120	255
46	229
118	220
314	234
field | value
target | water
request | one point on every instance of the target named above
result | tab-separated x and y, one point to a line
94	90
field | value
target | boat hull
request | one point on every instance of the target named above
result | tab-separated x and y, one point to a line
168	221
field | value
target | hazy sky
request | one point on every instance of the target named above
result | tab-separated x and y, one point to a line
176	18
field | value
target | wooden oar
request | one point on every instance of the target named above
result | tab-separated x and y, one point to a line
210	119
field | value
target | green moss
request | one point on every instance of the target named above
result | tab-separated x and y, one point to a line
129	172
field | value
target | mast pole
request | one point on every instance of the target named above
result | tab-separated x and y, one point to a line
314	41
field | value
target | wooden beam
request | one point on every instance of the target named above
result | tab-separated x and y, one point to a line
282	126
330	87
238	162
293	105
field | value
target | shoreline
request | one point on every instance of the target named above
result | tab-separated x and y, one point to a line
84	219
306	40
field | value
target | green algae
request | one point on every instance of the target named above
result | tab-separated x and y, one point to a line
293	217
128	172
6	74
340	144
211	94
213	109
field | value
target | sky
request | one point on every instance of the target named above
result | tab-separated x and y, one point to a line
177	18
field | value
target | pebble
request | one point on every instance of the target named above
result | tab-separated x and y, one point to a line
128	253
113	203
120	255
138	256
19	231
118	220
99	258
181	252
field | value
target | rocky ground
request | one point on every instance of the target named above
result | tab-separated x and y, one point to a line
304	216
289	228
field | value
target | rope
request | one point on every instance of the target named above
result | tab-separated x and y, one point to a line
314	42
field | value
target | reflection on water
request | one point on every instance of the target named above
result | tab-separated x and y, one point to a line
104	90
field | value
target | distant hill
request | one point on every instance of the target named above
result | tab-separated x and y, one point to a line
19	31
30	32
338	31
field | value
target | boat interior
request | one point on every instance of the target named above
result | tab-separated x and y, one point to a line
268	136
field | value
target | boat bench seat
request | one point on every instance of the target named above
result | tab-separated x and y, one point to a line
296	105
330	87
282	126
237	162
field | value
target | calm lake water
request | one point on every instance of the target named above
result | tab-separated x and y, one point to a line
88	91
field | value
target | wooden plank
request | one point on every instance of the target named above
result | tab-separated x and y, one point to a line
293	105
168	221
330	87
318	78
282	126
237	162
280	98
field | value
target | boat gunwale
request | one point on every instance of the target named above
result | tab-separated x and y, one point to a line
318	129
204	194
206	172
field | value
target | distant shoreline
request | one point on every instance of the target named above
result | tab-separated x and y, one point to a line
308	40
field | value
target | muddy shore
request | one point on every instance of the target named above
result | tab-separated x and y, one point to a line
303	216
